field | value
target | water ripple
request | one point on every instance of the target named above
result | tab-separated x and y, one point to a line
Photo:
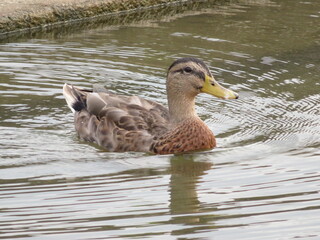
261	182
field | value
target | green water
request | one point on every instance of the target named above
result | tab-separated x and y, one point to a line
261	182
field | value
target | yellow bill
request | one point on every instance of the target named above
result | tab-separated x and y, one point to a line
212	87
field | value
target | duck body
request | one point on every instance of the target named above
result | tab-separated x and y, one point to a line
130	123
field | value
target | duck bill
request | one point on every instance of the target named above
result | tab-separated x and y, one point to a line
212	87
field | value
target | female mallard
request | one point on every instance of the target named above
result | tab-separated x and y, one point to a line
123	123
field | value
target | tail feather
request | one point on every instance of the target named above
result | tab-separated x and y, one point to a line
75	99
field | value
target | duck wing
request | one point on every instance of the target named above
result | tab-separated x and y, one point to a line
116	122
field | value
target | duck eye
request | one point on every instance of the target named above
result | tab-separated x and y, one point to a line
187	69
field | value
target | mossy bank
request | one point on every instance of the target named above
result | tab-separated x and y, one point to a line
28	16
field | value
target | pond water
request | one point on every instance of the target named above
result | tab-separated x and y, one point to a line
261	182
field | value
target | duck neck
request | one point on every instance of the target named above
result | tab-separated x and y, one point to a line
181	107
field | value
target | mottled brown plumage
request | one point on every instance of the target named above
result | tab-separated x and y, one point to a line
190	135
121	123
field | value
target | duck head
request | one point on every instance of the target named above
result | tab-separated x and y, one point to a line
191	76
186	78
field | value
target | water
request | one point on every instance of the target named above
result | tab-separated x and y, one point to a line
263	180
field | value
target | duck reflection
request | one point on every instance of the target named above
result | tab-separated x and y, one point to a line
185	175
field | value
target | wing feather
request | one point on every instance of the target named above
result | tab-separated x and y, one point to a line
116	122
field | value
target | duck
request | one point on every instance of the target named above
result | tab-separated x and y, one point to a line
120	123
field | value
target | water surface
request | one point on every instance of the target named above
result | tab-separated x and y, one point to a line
261	182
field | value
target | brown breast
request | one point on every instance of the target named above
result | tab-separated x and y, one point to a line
190	135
